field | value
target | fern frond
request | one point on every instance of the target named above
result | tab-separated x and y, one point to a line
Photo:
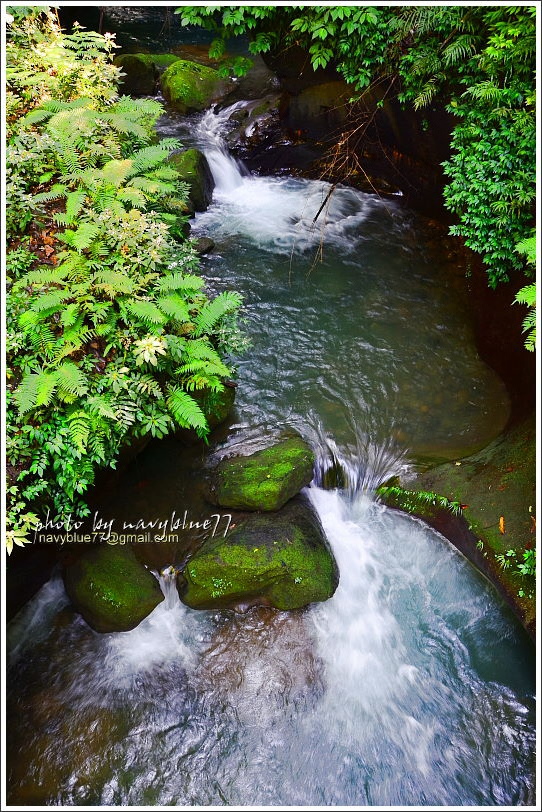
41	336
151	187
208	382
50	301
126	126
145	311
113	282
134	197
459	49
180	281
74	265
57	191
174	306
101	405
79	425
203	350
527	295
70	315
150	386
186	412
82	237
125	412
137	109
116	171
42	276
211	313
149	157
71	379
208	367
46	387
26	394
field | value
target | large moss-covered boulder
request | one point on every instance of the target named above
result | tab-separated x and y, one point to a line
160	61
140	74
193	169
111	589
190	87
265	480
280	559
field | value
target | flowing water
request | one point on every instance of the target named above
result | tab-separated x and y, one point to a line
413	685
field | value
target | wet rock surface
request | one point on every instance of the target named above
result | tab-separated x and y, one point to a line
264	480
280	559
111	589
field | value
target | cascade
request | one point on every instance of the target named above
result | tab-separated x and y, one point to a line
391	693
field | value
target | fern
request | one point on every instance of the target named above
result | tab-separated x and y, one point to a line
49	302
125	412
150	157
175	307
79	424
82	237
26	394
145	311
186	412
42	339
412	501
71	379
113	282
180	281
45	275
149	385
46	387
116	172
211	313
134	197
57	191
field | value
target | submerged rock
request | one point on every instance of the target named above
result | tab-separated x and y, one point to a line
193	169
190	87
111	589
265	480
204	245
281	560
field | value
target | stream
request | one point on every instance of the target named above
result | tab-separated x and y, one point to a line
413	685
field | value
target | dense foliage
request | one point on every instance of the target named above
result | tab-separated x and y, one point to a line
110	335
476	61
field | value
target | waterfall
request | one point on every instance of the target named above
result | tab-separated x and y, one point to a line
276	213
358	468
227	173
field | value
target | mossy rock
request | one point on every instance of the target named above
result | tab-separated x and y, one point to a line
193	169
281	560
111	589
190	87
160	61
140	78
265	480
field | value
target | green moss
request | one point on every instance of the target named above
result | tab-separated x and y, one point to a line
159	60
282	560
190	87
193	169
265	480
111	589
139	78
